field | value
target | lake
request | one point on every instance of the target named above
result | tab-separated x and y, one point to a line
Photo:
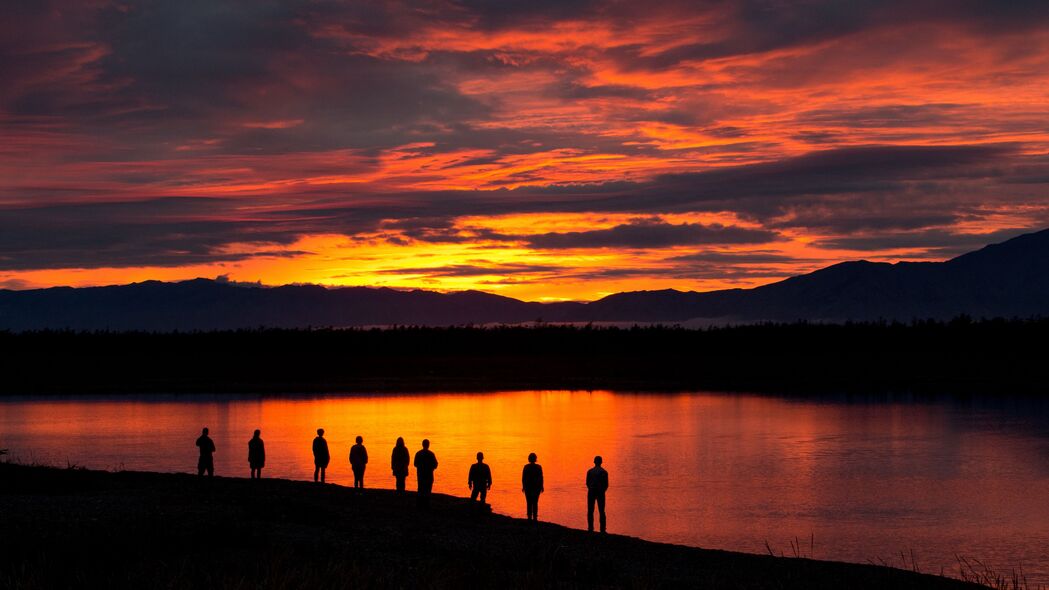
869	479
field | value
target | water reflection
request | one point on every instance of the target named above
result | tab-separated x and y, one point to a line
867	479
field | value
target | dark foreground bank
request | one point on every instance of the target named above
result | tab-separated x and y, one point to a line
961	356
74	528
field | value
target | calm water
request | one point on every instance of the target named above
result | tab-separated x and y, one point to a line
866	480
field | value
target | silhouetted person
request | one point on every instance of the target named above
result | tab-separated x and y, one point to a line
425	464
399	461
480	479
207	449
532	486
256	455
358	461
321	457
596	486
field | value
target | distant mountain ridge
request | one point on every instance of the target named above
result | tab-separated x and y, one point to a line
1010	279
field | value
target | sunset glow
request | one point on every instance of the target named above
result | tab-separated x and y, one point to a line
541	150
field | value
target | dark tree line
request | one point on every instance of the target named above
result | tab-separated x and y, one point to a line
961	355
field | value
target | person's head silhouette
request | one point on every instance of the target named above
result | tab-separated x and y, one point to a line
360	439
257	433
320	432
598	460
400	442
532	457
426	443
480	457
205	431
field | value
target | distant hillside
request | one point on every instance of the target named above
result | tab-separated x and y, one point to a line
203	304
1010	279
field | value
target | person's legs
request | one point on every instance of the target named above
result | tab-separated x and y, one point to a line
316	472
590	499
473	493
400	483
601	510
425	485
200	467
484	495
323	469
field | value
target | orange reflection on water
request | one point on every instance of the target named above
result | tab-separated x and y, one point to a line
865	479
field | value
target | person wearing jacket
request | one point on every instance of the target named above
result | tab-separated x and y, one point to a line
256	455
479	480
425	464
532	486
206	462
596	486
321	456
399	461
358	461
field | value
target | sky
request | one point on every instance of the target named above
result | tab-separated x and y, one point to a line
544	150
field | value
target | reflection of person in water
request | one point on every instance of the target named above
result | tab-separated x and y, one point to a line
256	455
321	457
358	461
532	486
206	463
425	464
480	479
399	461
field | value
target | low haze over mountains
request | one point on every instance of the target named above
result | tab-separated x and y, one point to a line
1010	279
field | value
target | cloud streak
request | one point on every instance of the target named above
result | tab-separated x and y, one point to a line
576	147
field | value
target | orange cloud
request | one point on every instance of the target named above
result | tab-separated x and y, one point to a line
290	152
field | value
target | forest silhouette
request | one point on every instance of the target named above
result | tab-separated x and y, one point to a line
961	355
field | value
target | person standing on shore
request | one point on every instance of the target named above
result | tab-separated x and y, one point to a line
207	449
596	486
321	457
358	461
425	464
532	486
256	455
399	461
479	480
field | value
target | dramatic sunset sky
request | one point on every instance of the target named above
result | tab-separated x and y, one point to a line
542	149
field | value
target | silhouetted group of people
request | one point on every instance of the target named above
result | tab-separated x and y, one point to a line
479	479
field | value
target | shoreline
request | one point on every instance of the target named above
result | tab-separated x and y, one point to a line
114	528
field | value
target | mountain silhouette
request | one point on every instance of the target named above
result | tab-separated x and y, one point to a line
1010	279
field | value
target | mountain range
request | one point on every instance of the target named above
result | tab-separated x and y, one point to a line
1010	279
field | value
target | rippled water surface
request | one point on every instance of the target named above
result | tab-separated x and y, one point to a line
852	479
